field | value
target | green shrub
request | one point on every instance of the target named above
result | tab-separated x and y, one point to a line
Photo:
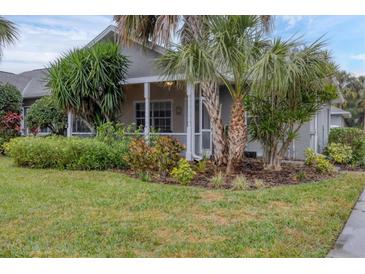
111	133
161	156
352	137
45	113
318	161
201	166
167	153
240	183
339	153
217	180
183	172
63	153
141	156
310	157
10	99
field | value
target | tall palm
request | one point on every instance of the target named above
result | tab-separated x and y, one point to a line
235	43
191	31
8	33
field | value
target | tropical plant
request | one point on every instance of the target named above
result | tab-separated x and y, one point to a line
10	117
10	99
219	49
183	172
46	113
353	91
88	82
352	137
8	33
318	161
290	83
339	153
193	65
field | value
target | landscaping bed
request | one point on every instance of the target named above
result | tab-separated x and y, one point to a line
251	169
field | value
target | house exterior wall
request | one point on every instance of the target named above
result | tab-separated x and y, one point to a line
134	93
306	135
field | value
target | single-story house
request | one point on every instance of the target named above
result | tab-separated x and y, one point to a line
150	102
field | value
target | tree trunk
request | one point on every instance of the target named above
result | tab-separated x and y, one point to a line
214	109
237	135
272	160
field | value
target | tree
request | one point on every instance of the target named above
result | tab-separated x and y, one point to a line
189	30
289	83
8	33
353	91
10	99
10	107
88	82
205	43
46	113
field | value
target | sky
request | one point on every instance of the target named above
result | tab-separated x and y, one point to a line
42	39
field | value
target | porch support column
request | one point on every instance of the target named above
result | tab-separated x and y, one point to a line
147	110
190	118
69	124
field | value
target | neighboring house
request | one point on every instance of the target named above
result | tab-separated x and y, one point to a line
153	101
338	117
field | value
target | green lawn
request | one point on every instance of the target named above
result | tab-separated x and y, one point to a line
51	213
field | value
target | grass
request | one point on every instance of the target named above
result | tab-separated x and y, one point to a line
52	213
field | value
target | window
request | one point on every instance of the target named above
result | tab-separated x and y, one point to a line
160	115
78	125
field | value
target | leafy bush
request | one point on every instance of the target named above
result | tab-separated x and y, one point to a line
318	161
217	180
310	157
111	133
141	156
201	166
183	172
323	165
10	99
167	153
162	155
240	183
63	153
45	113
339	153
352	137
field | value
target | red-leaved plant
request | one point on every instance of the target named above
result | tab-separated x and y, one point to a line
10	123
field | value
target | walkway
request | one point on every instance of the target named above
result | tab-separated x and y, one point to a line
351	243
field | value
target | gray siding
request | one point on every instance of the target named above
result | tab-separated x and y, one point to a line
306	134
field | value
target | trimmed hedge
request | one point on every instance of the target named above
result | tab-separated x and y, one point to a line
65	153
352	137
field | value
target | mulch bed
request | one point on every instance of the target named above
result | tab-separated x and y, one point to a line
251	169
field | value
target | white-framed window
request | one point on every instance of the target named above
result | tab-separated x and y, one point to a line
160	115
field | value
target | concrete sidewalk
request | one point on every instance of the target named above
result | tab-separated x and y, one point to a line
351	243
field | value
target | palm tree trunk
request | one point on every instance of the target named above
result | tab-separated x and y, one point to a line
214	109
237	135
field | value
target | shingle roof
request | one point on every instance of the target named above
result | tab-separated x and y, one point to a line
30	83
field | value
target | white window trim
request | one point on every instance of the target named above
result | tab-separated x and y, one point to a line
155	101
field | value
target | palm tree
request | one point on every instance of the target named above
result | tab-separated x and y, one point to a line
235	43
290	83
8	33
160	29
